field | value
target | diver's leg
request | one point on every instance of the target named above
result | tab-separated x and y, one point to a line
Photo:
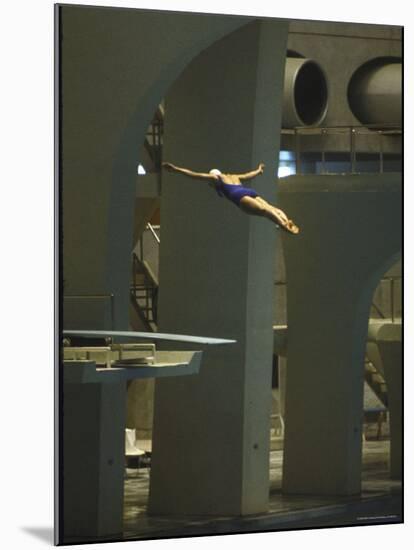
251	205
259	207
278	216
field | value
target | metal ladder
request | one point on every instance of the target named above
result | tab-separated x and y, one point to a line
144	293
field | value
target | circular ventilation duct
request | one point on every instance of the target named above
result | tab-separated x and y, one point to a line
374	92
305	95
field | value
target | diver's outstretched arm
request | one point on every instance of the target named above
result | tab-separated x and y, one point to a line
252	174
196	175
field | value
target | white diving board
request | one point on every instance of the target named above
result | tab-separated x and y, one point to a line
149	336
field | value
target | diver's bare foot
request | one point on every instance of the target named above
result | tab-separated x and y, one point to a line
284	223
291	227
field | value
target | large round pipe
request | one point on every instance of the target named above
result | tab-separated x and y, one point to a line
374	93
305	95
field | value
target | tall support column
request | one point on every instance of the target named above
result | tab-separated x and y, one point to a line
350	235
93	463
211	432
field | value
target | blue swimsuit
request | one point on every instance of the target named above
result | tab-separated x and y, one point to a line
234	192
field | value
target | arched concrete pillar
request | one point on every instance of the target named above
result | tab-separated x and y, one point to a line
211	433
116	66
350	234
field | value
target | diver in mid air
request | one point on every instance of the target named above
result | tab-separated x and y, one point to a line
230	186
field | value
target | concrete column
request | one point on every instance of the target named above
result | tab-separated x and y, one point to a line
390	348
350	235
93	459
211	432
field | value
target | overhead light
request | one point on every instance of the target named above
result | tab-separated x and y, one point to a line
141	170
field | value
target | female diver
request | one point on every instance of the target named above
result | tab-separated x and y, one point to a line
229	186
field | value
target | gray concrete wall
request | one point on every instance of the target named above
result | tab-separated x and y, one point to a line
116	66
216	278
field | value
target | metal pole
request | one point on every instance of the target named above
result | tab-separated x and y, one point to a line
381	152
352	150
112	311
149	226
141	248
147	308
323	150
297	145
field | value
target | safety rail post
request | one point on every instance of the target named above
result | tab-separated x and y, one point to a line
381	151
323	141
352	145
297	147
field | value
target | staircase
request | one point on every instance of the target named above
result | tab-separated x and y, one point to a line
144	283
154	139
376	382
144	293
376	406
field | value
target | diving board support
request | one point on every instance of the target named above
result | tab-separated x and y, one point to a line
94	410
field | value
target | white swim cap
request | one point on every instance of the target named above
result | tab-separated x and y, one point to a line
215	172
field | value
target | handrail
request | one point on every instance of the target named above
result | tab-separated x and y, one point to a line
151	284
375	130
150	289
151	228
377	309
379	127
146	268
141	241
153	139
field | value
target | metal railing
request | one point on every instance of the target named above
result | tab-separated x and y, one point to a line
376	131
392	280
141	241
144	292
144	286
154	138
151	228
